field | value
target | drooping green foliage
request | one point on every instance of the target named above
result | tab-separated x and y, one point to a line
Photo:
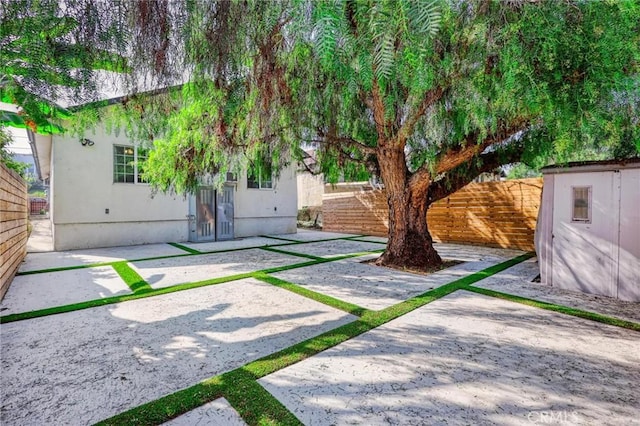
458	87
48	52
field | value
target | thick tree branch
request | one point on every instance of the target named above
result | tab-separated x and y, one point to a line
339	140
379	113
466	150
462	175
430	98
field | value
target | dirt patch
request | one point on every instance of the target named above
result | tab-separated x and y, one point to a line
448	263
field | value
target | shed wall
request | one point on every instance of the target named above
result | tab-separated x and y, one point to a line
601	256
629	231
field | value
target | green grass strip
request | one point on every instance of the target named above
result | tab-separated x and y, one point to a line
135	282
281	239
144	259
292	241
360	240
185	248
156	292
94	265
309	294
319	261
292	253
255	405
558	308
190	252
117	299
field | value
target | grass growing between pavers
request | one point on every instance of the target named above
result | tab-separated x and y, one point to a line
185	248
254	404
135	282
160	291
309	294
292	241
558	308
110	263
189	252
291	253
358	239
117	299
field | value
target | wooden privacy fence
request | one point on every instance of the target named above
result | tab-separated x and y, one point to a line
13	225
498	214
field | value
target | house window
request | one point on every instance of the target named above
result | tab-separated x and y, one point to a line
128	164
581	204
260	179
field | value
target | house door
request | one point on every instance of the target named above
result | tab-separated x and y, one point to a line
205	215
224	219
585	232
211	214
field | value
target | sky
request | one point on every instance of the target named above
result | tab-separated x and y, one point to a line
20	144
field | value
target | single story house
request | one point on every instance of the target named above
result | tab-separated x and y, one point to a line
588	232
98	198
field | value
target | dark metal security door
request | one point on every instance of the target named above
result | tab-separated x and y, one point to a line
224	220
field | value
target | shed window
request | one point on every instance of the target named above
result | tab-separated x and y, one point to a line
581	204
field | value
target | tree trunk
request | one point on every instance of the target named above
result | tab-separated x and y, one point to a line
410	244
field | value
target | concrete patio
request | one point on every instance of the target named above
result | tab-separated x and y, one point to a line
87	335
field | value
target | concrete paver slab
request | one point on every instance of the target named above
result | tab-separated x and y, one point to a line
468	253
312	235
332	248
470	359
84	366
374	239
463	253
167	272
233	244
215	413
61	259
41	239
517	280
46	290
370	286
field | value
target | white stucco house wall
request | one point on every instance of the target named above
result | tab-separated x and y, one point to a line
310	182
588	232
98	200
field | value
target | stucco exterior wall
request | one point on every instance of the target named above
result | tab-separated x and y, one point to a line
266	211
83	190
310	190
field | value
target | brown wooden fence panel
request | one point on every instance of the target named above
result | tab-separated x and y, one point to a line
498	214
13	225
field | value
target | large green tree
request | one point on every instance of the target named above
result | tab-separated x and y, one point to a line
49	51
424	94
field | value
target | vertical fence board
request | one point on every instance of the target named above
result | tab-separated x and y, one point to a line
14	215
498	214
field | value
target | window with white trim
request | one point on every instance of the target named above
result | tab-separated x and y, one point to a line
128	164
260	179
581	198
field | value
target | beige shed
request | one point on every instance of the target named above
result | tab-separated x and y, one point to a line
588	232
